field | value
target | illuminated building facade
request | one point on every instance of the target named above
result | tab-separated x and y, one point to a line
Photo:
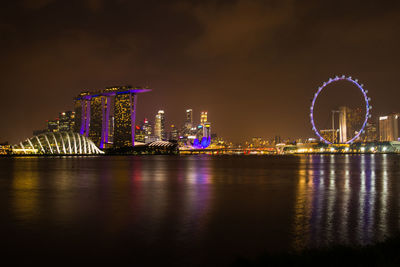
343	111
159	125
189	118
389	127
78	115
173	133
277	140
139	134
96	119
60	143
355	118
203	117
146	127
257	141
64	123
122	121
104	123
350	121
110	130
371	132
207	130
330	135
148	131
67	121
5	149
53	126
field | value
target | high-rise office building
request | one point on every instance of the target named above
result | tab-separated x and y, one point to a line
371	132
159	125
350	122
207	129
66	121
53	126
389	127
203	117
355	119
139	134
173	134
189	118
343	113
330	135
148	131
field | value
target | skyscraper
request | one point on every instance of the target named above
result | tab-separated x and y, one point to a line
96	119
139	134
389	127
343	124
173	133
53	126
82	112
147	128
106	124
159	127
67	121
122	121
350	122
371	132
355	119
207	129
189	118
203	117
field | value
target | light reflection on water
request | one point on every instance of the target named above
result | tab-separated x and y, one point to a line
200	207
25	188
344	199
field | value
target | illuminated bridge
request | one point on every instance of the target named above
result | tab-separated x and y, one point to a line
94	111
60	143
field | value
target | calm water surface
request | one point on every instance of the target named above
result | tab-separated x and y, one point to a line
192	210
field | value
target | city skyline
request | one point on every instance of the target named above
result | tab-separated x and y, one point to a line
200	133
101	104
275	73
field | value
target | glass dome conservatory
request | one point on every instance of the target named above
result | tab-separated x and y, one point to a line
60	143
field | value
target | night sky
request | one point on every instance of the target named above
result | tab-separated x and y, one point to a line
253	65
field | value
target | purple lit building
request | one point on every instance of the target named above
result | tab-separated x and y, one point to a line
93	111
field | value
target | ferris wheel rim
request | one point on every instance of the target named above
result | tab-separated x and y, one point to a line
366	100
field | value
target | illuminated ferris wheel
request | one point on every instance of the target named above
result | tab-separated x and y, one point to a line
367	100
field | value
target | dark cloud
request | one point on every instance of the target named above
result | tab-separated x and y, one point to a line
248	23
92	5
36	4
